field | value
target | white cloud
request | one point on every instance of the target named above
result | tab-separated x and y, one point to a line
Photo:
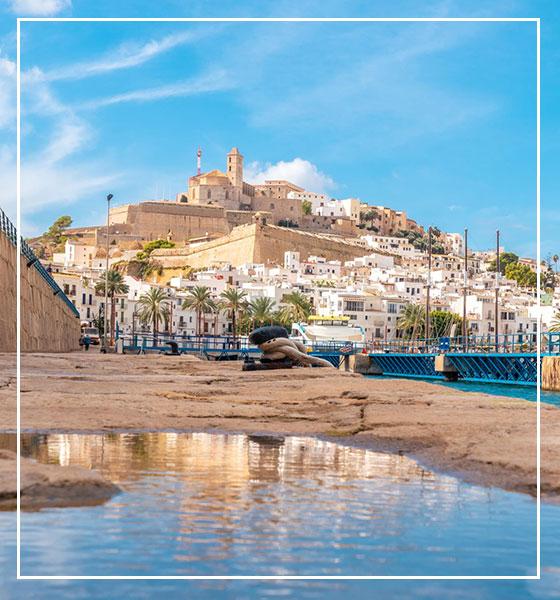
124	57
49	177
298	171
7	93
8	181
214	82
39	8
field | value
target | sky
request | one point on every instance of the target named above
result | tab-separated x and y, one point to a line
437	119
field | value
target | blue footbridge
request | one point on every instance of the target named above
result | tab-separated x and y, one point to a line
509	358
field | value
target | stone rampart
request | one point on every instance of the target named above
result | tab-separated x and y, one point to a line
47	323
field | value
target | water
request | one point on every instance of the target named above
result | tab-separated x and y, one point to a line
231	504
525	392
200	504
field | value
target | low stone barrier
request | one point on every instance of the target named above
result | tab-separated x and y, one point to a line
47	323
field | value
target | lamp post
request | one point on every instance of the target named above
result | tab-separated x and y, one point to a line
465	289
497	290
428	286
104	349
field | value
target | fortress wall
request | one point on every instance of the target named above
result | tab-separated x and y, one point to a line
236	248
47	324
156	220
8	287
258	243
274	241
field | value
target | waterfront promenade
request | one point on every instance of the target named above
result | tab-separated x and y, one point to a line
486	439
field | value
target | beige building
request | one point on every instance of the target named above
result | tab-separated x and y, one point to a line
280	199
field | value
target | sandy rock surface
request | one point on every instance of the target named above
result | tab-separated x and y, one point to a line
48	486
483	438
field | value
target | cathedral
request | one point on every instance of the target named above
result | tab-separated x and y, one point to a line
227	189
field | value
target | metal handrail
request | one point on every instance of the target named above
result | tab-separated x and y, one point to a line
508	343
209	343
9	229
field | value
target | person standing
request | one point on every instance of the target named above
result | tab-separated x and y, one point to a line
86	341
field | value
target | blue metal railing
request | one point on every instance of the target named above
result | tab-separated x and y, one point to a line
9	229
208	343
509	343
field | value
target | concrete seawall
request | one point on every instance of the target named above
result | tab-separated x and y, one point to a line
47	323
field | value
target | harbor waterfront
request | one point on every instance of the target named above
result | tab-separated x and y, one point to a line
486	439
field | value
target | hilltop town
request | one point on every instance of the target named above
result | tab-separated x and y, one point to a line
345	257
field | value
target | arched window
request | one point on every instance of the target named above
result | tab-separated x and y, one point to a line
209	194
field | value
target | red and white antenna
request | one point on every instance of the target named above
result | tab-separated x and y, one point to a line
198	160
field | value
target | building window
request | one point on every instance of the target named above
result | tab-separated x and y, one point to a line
209	194
272	206
83	297
355	306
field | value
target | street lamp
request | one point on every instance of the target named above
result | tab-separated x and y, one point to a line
104	349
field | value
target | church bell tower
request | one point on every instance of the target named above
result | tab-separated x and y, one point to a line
235	167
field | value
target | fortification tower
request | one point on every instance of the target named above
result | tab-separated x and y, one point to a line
235	167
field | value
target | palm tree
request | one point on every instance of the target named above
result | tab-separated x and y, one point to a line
115	285
261	310
199	300
298	307
234	301
154	307
555	325
411	321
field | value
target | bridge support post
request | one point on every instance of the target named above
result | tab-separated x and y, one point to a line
551	373
362	363
443	365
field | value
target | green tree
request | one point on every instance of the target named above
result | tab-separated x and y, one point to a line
441	323
143	265
555	325
154	308
261	311
54	236
298	308
115	285
234	301
521	273
411	321
200	300
506	259
306	207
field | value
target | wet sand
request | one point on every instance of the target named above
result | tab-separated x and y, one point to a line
484	439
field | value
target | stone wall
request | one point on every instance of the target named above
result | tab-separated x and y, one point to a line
158	220
258	243
47	323
8	287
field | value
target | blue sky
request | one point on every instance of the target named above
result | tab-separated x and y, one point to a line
436	119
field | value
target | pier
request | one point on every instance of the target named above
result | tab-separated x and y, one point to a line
510	358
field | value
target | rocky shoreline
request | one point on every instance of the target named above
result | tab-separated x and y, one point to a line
50	486
484	439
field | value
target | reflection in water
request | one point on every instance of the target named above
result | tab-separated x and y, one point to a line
197	503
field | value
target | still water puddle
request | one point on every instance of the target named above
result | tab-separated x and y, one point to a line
225	504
